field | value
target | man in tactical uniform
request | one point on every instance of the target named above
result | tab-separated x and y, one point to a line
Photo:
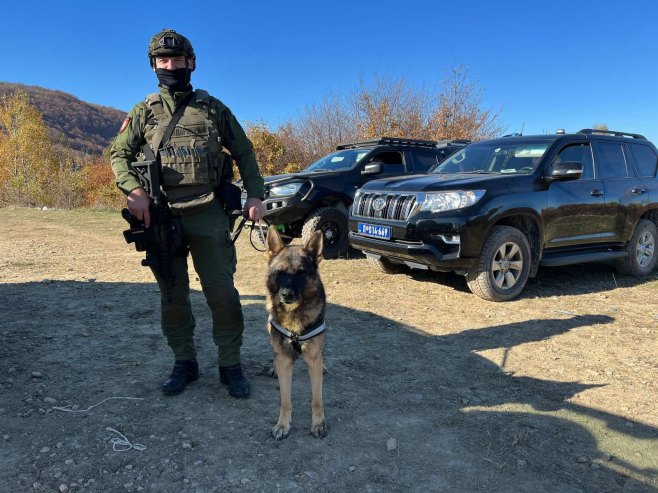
192	164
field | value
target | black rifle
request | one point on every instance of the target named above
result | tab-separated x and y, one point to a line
162	240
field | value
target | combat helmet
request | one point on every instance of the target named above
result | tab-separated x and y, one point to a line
169	43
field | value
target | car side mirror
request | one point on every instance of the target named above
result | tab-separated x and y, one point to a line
570	170
372	168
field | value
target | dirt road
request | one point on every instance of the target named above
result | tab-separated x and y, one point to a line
429	389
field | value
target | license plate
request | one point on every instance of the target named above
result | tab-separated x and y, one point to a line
375	231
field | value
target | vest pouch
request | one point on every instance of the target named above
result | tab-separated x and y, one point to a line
187	200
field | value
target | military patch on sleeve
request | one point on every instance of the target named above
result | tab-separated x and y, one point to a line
126	122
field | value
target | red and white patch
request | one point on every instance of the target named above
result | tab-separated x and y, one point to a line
126	122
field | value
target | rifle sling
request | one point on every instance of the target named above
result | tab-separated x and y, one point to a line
166	135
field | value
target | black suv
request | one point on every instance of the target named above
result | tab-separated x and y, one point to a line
319	197
498	209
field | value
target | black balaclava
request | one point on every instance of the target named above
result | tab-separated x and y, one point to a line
176	80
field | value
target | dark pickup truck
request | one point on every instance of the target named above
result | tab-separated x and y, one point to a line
319	197
498	209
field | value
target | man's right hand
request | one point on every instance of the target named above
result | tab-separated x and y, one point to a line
138	205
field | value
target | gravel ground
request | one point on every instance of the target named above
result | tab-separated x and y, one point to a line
428	387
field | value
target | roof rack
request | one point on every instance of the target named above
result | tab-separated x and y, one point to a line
596	131
452	142
386	140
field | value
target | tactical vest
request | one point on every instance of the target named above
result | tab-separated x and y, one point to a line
193	154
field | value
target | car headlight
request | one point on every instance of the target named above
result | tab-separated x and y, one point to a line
286	189
449	201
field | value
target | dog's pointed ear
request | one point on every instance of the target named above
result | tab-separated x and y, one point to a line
273	243
314	246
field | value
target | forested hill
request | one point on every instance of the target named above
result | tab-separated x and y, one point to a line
85	127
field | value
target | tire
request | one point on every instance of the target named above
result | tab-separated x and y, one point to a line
258	243
333	224
384	265
641	249
503	267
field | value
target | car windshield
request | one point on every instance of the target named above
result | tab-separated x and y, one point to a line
338	160
513	157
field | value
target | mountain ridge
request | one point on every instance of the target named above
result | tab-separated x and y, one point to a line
86	127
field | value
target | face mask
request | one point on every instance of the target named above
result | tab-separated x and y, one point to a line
175	80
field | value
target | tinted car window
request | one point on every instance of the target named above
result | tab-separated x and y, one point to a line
645	159
424	160
610	160
579	153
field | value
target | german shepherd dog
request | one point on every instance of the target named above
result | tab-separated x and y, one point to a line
296	304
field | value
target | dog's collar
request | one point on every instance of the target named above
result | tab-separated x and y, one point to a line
296	338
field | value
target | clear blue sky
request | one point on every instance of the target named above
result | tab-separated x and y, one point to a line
547	64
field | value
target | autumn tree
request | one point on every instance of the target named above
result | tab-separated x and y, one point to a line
26	153
268	147
381	107
459	113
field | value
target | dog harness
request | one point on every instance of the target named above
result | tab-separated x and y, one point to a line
295	339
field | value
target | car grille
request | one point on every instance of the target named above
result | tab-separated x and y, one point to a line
397	207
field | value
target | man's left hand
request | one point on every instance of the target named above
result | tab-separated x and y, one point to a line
254	209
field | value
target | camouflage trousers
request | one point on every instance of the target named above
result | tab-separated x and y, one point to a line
207	236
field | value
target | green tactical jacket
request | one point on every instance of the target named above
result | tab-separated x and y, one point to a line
132	136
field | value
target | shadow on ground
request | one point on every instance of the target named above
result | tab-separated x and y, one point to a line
459	422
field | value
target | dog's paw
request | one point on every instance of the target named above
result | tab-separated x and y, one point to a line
319	430
279	432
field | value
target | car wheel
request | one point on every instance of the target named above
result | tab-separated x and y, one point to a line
641	249
384	265
503	267
333	224
258	235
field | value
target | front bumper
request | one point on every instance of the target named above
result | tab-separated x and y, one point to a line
425	244
284	210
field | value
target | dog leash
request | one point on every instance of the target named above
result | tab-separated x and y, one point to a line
295	339
254	227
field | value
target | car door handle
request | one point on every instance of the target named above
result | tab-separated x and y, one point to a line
596	192
639	191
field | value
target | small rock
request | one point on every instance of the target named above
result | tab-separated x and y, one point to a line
57	475
49	281
352	468
607	457
37	374
36	485
68	462
50	400
521	463
245	481
59	444
5	438
594	465
45	450
628	424
140	488
187	445
127	485
128	467
391	444
12	370
614	309
582	459
63	488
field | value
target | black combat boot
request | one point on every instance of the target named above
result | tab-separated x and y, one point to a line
238	385
184	372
